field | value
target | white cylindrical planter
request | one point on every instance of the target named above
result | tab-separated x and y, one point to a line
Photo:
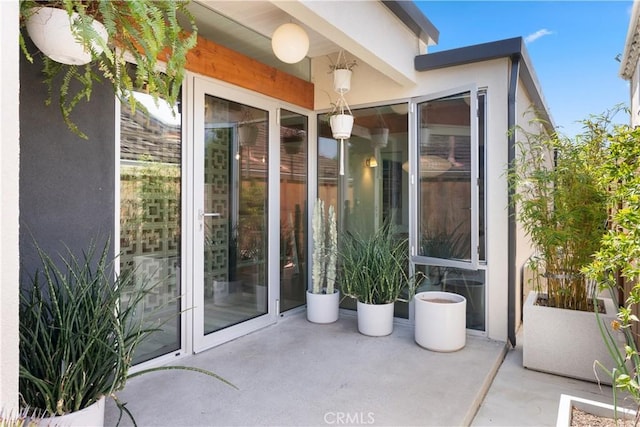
440	320
375	320
342	80
323	308
341	126
92	415
50	30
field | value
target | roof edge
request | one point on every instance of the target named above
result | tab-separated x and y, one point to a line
414	19
630	56
512	49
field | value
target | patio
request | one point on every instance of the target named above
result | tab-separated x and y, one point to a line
297	373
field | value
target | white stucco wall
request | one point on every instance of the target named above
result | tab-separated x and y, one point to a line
369	86
9	158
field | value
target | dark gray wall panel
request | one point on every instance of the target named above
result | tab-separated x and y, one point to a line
66	183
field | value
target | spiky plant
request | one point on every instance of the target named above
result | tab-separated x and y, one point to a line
79	330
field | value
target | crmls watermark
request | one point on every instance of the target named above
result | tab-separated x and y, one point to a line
349	418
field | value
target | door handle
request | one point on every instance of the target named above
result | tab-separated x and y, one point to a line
202	214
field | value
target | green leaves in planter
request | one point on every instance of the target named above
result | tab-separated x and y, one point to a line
374	269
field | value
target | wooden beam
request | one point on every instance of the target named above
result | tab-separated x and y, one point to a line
213	60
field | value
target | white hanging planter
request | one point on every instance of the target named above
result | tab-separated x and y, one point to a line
342	80
92	415
323	308
440	320
375	320
50	30
379	137
341	126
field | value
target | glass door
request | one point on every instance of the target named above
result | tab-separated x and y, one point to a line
230	203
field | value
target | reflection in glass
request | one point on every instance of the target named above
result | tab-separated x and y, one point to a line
444	146
150	233
293	209
366	196
234	217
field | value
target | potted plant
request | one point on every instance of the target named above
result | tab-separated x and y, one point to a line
341	119
615	265
563	210
342	70
146	31
323	299
79	329
374	271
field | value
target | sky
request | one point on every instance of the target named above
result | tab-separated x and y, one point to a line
572	46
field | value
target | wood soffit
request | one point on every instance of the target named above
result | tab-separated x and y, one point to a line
213	60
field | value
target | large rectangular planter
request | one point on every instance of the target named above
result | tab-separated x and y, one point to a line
566	342
567	403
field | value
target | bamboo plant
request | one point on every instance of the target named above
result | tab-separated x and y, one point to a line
616	262
325	249
562	209
144	32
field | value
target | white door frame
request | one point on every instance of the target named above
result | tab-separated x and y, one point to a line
196	87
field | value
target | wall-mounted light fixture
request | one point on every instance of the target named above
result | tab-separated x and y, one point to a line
371	162
290	43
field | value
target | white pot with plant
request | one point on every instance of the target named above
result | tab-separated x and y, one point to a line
70	363
373	271
341	119
323	299
166	29
562	207
342	70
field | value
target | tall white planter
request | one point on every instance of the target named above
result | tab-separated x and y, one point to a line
323	308
50	30
440	319
91	416
375	320
341	126
566	342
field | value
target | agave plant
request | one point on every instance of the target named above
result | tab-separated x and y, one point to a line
79	329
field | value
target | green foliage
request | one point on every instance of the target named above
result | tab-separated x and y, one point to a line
562	208
79	329
617	258
142	30
374	269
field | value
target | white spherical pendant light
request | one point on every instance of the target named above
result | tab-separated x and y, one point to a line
290	43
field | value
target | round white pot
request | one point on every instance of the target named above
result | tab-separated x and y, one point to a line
91	416
440	320
342	80
50	30
375	320
341	126
323	308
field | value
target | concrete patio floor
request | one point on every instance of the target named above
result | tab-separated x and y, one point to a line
296	373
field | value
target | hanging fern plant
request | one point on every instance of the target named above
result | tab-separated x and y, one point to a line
145	32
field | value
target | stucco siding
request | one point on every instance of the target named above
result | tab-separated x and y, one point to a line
67	184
